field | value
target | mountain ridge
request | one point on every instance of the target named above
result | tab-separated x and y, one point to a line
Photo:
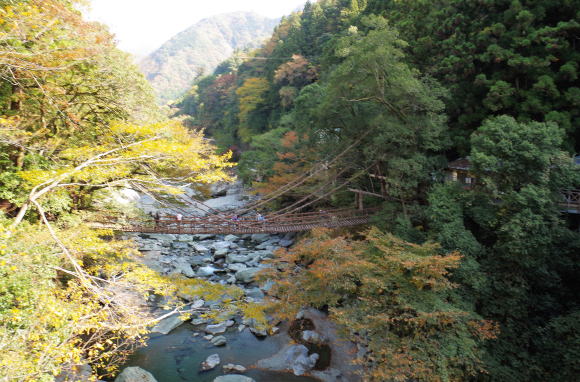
173	66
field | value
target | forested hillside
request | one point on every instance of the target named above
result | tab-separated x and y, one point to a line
413	85
200	48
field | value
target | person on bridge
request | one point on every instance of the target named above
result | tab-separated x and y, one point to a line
261	219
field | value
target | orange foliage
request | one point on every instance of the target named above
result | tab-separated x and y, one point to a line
397	292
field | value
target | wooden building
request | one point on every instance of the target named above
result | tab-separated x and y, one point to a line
459	171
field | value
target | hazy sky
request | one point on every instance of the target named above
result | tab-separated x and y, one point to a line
141	26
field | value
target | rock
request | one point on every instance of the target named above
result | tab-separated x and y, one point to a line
199	321
235	258
220	253
200	248
231	368
264	245
255	293
179	245
184	267
205	271
151	247
267	254
210	363
167	324
135	374
161	236
221	245
241	328
312	337
299	361
186	238
218	341
260	237
291	357
247	275
275	330
197	304
209	337
259	332
285	243
219	328
203	237
198	260
234	378
231	238
237	267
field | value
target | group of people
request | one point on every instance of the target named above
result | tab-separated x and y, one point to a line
179	218
259	217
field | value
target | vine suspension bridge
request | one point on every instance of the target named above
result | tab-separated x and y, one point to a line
287	219
221	224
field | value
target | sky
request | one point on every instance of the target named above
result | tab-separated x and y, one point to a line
141	26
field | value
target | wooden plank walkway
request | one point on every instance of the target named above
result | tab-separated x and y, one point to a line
222	224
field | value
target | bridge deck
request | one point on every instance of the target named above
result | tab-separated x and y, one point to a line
220	224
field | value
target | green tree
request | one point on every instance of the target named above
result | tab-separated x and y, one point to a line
519	57
529	247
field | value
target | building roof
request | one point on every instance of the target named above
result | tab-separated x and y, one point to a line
460	164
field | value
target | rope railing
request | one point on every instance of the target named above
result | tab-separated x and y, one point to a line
214	224
300	180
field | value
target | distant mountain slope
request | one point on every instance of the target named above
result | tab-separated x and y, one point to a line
171	68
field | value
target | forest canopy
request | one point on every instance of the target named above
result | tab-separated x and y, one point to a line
414	86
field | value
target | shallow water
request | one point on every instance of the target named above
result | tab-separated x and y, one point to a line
176	357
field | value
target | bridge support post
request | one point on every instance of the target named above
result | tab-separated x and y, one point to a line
359	200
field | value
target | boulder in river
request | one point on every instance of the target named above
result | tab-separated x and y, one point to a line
247	275
205	271
201	248
312	337
135	374
210	363
237	267
221	245
291	357
231	238
218	328
184	267
220	253
218	341
259	332
231	368
167	324
161	236
285	243
299	361
234	378
260	237
235	258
